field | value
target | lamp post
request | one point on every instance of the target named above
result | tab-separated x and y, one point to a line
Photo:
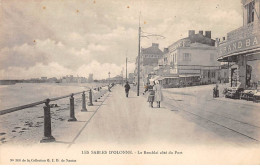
138	66
109	81
126	70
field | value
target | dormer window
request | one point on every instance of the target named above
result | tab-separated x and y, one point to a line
250	7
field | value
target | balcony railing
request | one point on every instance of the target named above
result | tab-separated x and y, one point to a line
244	32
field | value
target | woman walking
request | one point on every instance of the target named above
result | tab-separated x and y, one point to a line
158	96
150	95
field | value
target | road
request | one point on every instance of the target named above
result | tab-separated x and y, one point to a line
185	117
227	118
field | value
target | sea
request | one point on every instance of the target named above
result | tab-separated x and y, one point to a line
26	126
26	93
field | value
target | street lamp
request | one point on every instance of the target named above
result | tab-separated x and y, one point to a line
109	82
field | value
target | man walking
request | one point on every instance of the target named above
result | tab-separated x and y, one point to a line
127	88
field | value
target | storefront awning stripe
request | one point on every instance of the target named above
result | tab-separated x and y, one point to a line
247	52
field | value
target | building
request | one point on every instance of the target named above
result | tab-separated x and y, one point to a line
190	61
90	78
130	78
148	60
116	80
241	48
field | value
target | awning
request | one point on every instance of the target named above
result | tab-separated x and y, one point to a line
186	76
157	78
246	53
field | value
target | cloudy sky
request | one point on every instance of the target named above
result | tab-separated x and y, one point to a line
61	37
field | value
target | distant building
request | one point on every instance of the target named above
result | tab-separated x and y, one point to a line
52	80
189	61
90	78
44	78
241	48
117	79
148	60
130	77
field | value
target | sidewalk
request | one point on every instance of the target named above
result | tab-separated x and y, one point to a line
131	121
116	123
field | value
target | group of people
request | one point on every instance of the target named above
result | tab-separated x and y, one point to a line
154	90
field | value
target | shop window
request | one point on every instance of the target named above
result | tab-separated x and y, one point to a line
250	11
213	75
186	57
205	73
234	74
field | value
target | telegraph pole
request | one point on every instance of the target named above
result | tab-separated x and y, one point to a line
138	67
139	41
126	69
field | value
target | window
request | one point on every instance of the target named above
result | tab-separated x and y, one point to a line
213	74
205	74
186	57
250	7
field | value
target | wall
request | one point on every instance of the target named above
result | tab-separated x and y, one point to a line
199	56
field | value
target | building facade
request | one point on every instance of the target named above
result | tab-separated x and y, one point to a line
241	48
190	61
148	61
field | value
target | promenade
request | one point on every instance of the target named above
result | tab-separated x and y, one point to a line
115	119
116	124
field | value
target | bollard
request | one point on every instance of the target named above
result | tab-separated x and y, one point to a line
47	123
72	112
96	97
83	102
90	98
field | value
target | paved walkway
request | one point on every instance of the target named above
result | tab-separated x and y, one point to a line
116	123
130	121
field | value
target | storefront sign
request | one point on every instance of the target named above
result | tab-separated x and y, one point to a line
239	45
180	43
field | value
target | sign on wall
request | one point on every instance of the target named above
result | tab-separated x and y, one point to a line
239	45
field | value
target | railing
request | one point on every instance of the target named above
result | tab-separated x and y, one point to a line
47	116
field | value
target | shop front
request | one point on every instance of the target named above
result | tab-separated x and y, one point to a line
241	51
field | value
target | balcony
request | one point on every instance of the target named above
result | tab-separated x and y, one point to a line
244	32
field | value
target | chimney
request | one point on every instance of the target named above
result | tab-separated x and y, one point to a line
165	50
201	32
217	42
191	32
208	34
155	45
224	38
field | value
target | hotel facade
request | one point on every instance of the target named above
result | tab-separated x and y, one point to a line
190	61
241	49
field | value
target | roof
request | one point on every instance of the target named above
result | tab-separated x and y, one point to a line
152	50
195	38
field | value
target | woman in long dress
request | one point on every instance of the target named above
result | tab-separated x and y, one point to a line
151	93
158	96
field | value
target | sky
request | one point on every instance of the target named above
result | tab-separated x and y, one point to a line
54	38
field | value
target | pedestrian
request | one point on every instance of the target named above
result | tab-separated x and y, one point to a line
150	95
127	88
145	88
158	96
